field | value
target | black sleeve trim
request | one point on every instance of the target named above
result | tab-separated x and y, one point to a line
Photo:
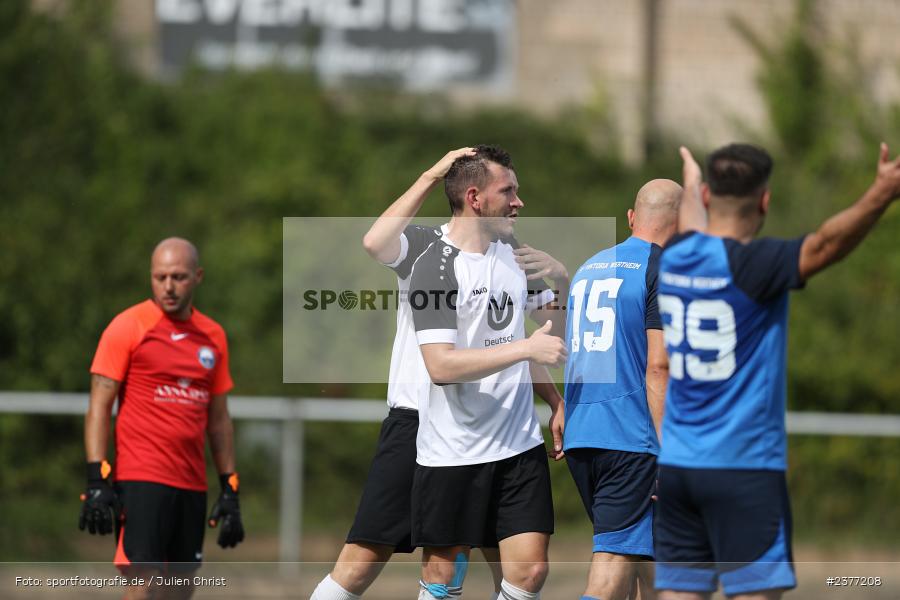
652	319
418	239
433	294
765	268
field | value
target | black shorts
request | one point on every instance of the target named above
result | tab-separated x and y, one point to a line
616	489
479	505
383	516
161	526
723	524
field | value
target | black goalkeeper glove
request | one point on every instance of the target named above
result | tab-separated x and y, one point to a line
99	503
227	509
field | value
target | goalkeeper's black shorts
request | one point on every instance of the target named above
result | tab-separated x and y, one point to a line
161	526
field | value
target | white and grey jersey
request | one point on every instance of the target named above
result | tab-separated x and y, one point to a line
479	301
408	379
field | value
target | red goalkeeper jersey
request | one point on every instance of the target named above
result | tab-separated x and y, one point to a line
169	370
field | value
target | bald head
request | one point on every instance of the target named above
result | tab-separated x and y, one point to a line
177	249
655	214
174	273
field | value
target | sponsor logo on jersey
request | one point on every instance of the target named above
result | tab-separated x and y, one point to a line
180	394
184	382
177	336
479	291
207	357
500	312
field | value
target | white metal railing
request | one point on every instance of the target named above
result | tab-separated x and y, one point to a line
292	412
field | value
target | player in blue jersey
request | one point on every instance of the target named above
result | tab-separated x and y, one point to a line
723	513
615	388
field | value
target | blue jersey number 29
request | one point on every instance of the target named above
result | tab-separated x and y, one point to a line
721	338
604	316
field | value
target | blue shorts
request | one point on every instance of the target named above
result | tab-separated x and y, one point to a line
616	489
723	524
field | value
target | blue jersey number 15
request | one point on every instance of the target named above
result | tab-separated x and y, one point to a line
604	316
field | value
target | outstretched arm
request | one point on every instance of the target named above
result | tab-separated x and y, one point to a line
840	234
382	241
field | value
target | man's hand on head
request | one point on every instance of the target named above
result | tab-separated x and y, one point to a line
441	167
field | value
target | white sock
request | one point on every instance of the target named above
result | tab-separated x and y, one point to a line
329	589
510	592
440	592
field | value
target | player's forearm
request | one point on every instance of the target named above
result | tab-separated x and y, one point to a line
657	380
98	417
221	445
382	241
841	233
543	385
561	299
458	365
692	214
96	434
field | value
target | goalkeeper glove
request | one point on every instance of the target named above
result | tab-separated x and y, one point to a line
227	509
99	503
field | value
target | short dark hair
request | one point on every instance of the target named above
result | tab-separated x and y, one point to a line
472	170
739	170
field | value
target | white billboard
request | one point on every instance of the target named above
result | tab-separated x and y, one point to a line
416	44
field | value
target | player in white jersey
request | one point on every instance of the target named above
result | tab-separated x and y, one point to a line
481	475
382	524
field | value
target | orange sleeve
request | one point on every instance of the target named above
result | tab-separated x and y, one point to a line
222	382
119	340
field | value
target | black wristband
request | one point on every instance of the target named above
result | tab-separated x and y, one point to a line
226	484
93	472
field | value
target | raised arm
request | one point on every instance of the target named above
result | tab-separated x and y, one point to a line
840	234
382	241
692	213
